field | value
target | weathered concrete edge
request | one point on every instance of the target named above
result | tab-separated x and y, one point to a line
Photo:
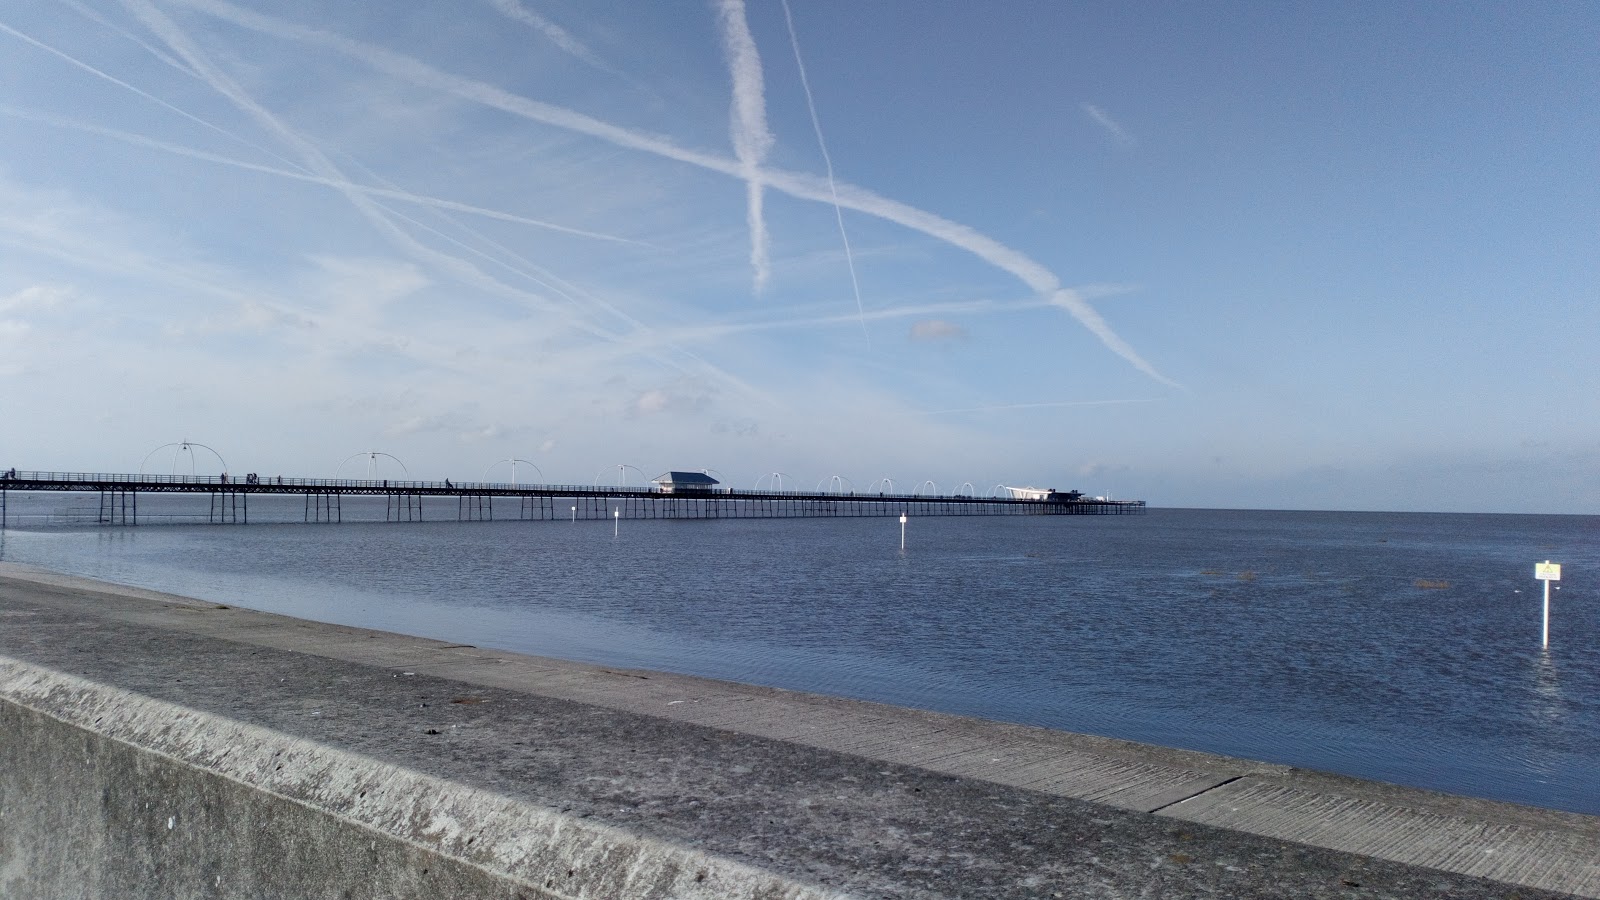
514	842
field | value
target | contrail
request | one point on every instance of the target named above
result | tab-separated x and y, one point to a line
827	161
103	22
532	271
1010	406
748	127
175	38
700	333
559	36
1031	273
337	184
1105	121
70	60
795	184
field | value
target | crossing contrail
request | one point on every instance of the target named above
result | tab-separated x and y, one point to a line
320	169
827	162
106	23
78	63
338	184
795	184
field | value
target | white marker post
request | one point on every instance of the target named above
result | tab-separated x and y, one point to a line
902	531
616	522
1547	572
574	515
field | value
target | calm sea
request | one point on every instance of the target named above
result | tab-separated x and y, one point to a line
1397	647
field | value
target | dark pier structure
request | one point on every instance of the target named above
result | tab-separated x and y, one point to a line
690	496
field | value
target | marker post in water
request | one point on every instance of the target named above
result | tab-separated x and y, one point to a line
1547	572
902	531
616	522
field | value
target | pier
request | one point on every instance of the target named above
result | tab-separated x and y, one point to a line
229	499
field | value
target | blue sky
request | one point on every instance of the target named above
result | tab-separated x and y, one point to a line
1298	255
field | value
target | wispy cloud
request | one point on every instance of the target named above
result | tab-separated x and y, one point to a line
748	127
800	185
1112	127
827	161
39	296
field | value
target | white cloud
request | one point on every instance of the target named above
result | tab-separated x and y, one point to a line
1101	469
39	296
365	283
418	424
680	398
937	330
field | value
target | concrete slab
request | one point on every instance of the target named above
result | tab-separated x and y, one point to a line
1566	859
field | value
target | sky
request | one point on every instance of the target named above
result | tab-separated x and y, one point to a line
1339	255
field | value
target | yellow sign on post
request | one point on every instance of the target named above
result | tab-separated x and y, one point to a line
1547	572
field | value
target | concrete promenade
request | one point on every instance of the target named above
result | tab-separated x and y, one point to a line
157	746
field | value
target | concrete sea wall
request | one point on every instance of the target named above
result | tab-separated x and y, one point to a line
153	746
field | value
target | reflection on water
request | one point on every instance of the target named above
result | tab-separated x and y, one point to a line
1387	646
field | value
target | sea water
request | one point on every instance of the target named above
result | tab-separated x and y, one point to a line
1397	647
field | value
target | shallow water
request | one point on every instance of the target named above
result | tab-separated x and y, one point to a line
1398	647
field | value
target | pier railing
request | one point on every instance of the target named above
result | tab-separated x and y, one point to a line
230	495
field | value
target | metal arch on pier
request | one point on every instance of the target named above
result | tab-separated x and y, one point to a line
475	500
